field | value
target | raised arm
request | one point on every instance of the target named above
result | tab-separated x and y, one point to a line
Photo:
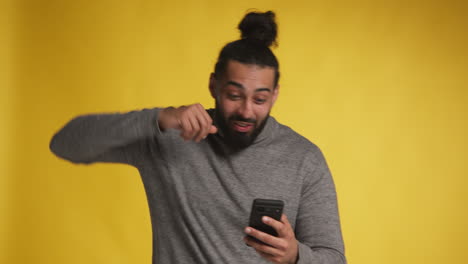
105	137
117	137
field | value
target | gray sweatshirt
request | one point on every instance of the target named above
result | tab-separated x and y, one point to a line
200	194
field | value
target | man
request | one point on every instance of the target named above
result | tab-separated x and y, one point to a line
203	168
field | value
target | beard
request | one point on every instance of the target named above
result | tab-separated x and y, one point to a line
235	139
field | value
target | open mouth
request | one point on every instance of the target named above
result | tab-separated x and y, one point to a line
242	126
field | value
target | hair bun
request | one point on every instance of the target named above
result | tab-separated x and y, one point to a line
259	28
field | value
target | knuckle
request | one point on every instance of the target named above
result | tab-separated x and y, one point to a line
202	124
282	228
283	246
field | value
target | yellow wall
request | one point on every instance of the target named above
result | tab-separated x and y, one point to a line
380	86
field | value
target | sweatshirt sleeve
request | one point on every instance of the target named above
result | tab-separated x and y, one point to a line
318	228
110	137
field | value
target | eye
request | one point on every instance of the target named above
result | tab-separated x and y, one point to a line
259	100
233	96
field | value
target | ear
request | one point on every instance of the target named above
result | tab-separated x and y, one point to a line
212	85
275	93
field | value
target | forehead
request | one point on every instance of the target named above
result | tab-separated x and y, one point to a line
250	75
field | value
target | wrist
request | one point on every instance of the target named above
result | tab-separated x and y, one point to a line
296	259
165	118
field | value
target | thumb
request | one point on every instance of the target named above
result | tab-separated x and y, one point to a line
213	130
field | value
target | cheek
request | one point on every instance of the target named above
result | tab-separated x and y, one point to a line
261	112
228	106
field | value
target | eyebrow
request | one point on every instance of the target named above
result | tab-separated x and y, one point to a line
240	86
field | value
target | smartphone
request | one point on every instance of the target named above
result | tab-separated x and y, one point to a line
265	207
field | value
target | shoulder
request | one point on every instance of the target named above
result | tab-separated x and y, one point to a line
297	145
288	136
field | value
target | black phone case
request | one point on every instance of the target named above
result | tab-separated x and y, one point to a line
270	208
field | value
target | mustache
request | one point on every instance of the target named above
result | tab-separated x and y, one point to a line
241	119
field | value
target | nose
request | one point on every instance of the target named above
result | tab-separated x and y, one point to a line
245	110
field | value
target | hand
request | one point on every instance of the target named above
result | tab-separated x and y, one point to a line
193	121
281	249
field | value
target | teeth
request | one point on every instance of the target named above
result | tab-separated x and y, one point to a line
242	124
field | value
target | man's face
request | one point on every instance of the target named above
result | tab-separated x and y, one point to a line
244	97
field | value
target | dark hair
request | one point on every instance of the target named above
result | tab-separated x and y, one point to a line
258	33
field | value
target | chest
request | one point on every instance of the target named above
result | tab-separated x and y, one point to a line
220	186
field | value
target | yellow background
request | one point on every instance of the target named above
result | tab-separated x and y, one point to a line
380	86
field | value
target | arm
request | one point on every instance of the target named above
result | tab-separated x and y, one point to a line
317	235
318	228
105	137
117	137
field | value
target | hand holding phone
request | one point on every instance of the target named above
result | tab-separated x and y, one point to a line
265	207
284	248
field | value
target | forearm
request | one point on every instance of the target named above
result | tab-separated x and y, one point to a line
319	255
88	136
